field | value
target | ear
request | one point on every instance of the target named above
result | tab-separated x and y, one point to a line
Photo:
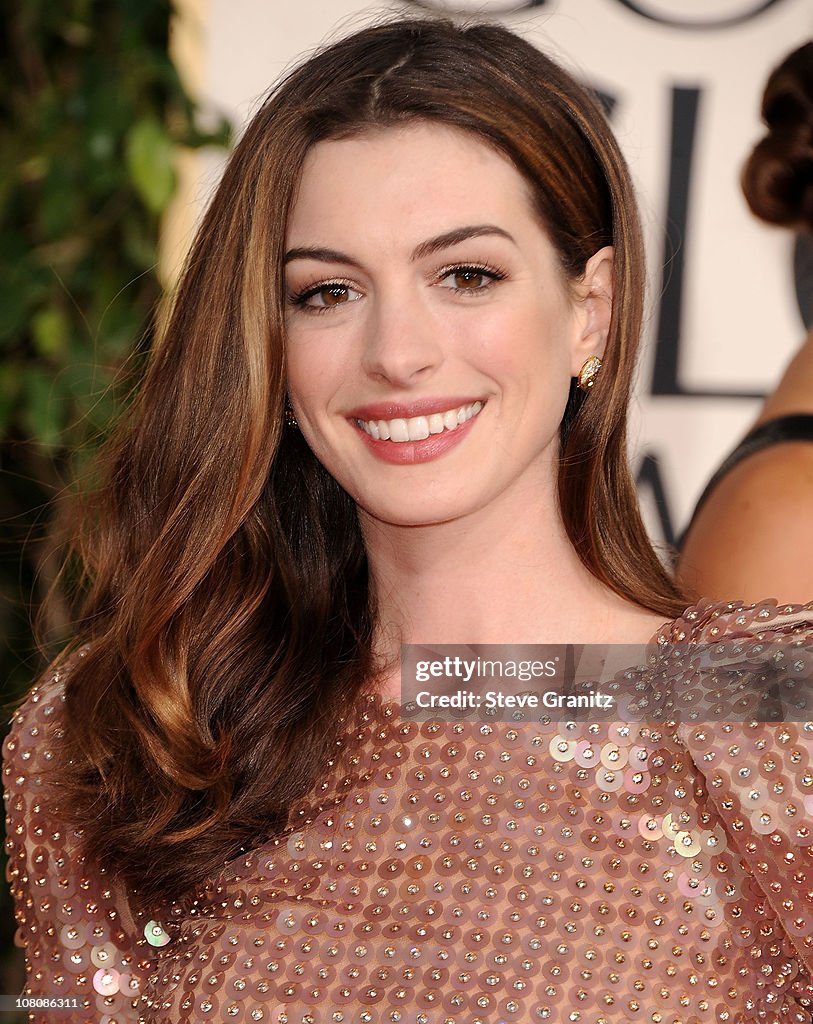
594	308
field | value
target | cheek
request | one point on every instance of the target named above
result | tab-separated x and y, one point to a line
522	343
313	376
297	383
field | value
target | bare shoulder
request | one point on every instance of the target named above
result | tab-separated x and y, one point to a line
751	538
645	625
794	393
631	624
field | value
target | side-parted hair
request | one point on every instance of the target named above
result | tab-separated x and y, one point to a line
229	618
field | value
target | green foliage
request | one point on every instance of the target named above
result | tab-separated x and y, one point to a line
148	152
93	114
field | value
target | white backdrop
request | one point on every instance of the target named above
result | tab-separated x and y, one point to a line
686	78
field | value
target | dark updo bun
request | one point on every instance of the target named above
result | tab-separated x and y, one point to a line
778	177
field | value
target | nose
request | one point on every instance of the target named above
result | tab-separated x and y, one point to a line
403	345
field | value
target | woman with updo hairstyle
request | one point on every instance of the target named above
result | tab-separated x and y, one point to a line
389	408
777	178
749	534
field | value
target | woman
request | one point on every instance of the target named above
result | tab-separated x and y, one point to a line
759	500
376	418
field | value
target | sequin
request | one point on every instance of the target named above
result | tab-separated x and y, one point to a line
469	873
155	934
106	982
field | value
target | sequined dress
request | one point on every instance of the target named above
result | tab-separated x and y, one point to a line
465	872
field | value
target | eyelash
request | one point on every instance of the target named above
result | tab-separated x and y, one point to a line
300	298
492	273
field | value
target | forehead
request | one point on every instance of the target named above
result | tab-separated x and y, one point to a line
417	178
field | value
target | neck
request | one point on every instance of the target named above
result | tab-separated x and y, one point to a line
506	573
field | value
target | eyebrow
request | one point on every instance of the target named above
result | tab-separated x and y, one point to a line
422	250
456	235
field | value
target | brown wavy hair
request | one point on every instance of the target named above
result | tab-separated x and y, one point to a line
777	178
228	617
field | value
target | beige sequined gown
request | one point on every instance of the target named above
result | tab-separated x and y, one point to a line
465	872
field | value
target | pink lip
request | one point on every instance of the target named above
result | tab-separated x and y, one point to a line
405	410
401	453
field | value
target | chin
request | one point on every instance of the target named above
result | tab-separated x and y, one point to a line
412	513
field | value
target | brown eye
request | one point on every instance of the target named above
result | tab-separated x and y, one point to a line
333	294
326	295
467	278
471	279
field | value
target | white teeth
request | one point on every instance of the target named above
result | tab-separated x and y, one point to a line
399	431
418	428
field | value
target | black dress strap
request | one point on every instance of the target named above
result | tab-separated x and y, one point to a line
784	428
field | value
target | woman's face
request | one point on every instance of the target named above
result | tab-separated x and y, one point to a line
431	335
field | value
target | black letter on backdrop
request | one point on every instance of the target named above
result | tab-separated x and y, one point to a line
676	20
698	23
685	103
684	119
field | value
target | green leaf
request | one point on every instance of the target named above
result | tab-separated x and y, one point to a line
78	235
51	331
148	154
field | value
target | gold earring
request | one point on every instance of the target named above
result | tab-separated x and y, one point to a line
588	373
290	419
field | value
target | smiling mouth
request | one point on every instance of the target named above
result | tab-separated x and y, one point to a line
418	428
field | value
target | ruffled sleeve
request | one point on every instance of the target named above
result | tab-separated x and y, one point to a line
81	945
759	774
